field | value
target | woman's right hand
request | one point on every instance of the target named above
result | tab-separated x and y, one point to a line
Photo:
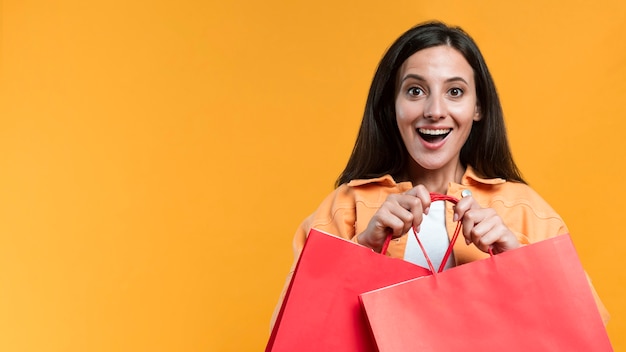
396	216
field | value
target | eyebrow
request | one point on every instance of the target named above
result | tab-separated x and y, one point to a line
420	78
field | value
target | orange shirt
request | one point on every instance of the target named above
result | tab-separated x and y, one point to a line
347	211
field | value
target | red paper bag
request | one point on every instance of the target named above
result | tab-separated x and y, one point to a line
321	309
535	298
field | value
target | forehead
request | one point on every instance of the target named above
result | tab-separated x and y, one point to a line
441	61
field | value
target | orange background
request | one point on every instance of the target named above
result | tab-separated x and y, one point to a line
156	156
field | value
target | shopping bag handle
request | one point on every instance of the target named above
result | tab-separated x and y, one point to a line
433	197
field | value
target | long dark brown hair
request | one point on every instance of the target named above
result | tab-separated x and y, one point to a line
379	148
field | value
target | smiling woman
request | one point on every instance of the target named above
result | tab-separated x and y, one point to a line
436	106
433	122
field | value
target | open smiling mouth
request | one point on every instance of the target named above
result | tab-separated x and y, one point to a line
433	135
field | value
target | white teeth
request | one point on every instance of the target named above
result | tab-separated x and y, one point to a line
434	132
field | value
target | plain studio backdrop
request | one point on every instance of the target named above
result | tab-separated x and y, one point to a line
157	156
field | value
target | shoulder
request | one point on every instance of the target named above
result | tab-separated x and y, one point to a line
492	191
347	197
519	205
515	195
337	213
373	190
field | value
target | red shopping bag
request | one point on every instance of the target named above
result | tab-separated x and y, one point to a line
535	298
321	309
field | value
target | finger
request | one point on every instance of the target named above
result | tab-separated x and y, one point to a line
380	226
470	219
414	206
463	206
393	226
392	218
491	232
423	195
499	238
486	232
403	215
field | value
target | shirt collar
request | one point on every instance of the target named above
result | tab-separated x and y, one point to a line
470	177
385	180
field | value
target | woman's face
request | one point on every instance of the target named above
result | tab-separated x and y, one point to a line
435	106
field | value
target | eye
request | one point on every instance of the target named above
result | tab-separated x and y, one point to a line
415	91
455	92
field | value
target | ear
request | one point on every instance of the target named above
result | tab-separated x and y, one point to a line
477	115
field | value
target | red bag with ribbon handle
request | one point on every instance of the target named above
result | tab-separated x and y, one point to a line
535	298
321	309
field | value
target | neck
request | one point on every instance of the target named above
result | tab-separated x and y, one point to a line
436	180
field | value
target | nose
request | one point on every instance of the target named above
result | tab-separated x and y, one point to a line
434	108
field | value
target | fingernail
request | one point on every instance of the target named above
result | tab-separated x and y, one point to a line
426	210
467	242
455	217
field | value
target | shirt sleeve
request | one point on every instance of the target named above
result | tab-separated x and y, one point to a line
335	215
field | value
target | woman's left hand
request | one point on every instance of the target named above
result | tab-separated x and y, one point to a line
484	227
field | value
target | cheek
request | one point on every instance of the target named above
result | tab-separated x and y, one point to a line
466	113
404	122
398	108
405	113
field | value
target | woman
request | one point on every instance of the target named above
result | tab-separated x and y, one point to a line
433	123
